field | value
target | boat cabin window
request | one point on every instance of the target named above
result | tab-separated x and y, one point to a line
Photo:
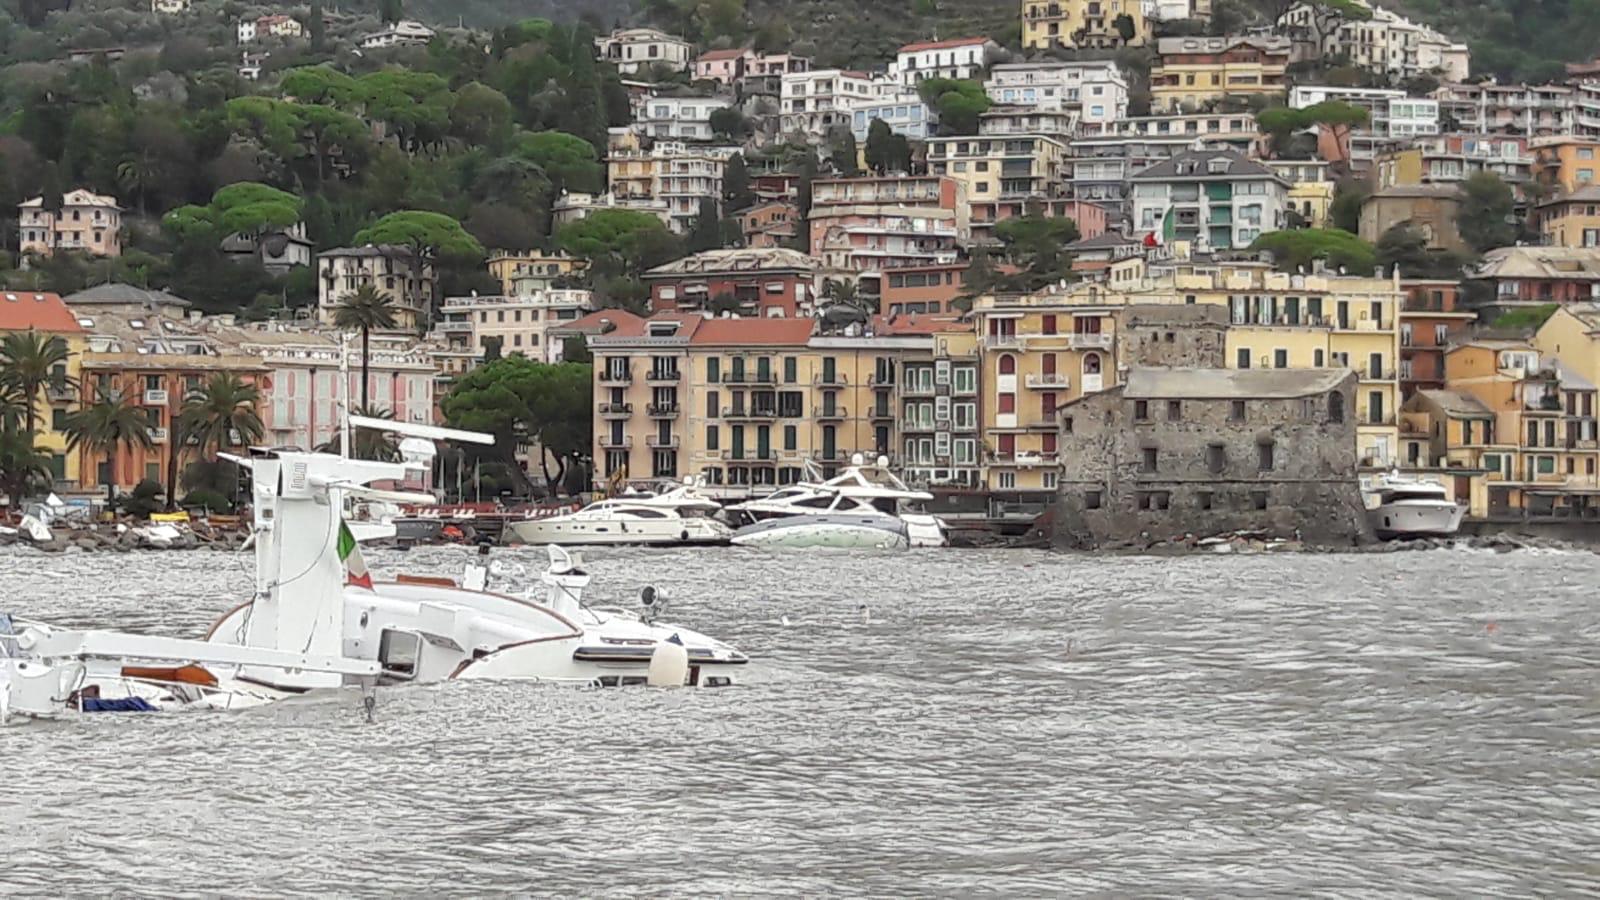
815	502
885	505
642	513
399	652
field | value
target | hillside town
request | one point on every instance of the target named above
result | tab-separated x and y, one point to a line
1152	278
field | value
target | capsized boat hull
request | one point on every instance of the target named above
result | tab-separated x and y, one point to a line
838	532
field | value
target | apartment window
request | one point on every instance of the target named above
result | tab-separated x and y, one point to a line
713	369
1236	411
1066	424
1242	358
1091	499
713	438
1258	500
1148	459
1006	481
1264	455
1048	324
1174	410
791	370
713	401
790	437
1141	410
1204	500
1280	359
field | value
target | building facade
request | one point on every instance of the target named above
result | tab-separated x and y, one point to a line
1192	72
86	223
391	270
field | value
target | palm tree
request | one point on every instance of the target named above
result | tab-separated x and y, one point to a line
23	466
220	414
365	309
106	426
28	361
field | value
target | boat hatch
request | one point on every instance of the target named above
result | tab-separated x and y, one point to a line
399	652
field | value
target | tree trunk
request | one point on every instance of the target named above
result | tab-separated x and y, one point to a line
366	406
544	466
111	475
173	446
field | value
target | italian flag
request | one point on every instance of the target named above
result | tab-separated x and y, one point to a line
350	554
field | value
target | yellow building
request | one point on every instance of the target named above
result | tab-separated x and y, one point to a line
1311	201
1571	219
631	170
1315	321
991	169
1051	24
1565	163
1192	72
1538	454
1448	434
508	266
746	404
47	314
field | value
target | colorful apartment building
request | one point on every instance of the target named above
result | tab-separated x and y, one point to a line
1000	175
1193	72
86	222
47	315
746	404
1533	276
1093	91
392	270
872	225
1565	164
1099	24
1570	219
1217	198
750	282
510	266
1431	320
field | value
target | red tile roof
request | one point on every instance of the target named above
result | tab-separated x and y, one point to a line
634	326
597	322
942	45
714	55
22	310
752	332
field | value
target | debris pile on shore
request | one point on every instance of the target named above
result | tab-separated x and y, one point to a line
126	536
1260	542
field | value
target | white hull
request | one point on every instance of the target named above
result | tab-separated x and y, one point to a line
566	532
1428	518
826	532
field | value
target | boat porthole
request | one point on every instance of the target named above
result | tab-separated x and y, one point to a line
684	536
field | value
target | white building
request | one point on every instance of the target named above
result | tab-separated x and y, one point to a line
958	58
678	118
1176	10
404	33
247	31
909	117
632	50
571	208
813	102
169	7
1394	116
1387	42
1096	91
1217	199
519	322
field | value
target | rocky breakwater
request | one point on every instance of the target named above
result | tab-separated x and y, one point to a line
125	537
1252	542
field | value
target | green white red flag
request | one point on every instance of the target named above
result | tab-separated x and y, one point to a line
350	554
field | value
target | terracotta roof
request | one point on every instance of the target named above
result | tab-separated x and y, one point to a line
1557	263
774	259
941	45
714	55
753	332
601	321
20	311
1457	405
914	324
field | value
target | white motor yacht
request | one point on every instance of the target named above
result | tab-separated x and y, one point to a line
1399	507
318	621
680	516
860	491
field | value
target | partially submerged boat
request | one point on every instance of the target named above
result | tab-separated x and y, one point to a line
679	516
317	619
1400	506
855	508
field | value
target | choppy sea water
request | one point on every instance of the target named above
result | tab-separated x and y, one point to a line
953	723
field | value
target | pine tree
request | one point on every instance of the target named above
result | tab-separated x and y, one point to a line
585	110
390	11
707	231
736	193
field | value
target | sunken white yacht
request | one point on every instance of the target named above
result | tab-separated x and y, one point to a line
682	515
863	506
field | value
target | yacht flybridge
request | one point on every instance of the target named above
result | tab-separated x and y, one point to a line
317	620
682	515
864	506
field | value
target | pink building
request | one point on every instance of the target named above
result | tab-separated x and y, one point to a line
723	66
87	222
870	224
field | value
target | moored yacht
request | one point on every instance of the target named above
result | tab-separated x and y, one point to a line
679	516
861	491
1399	507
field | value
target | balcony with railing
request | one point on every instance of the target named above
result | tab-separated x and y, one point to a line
616	410
1002	340
1089	341
1053	381
831	380
749	412
615	376
660	376
662	410
657	442
913	425
829	413
748	377
881	413
611	442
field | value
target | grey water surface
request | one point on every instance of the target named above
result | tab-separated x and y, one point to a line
954	723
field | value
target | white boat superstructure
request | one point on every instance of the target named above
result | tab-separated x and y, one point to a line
1398	506
680	516
317	620
860	490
